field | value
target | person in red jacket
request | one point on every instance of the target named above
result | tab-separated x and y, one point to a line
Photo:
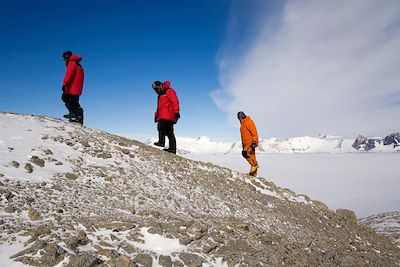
72	86
248	132
167	114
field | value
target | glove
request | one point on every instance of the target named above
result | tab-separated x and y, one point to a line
63	88
177	116
253	146
244	154
155	119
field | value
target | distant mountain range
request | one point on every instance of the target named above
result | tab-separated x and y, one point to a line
305	144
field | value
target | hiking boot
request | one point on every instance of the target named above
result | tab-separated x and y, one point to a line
159	144
75	120
169	150
252	175
253	170
70	116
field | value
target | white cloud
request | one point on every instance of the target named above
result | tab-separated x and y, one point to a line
328	67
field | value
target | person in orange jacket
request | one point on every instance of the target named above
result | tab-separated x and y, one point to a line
248	132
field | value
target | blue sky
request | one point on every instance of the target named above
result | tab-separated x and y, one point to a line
297	67
125	46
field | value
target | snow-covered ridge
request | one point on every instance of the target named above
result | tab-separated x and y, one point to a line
74	196
305	144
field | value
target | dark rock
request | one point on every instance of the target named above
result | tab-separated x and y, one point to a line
186	240
82	238
85	143
392	139
370	145
51	254
165	261
15	164
360	140
207	249
191	260
34	215
144	259
70	176
8	195
178	264
121	261
10	209
346	215
104	155
29	199
72	243
28	167
48	152
38	161
84	259
56	187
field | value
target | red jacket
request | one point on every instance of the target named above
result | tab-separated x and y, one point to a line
167	104
73	80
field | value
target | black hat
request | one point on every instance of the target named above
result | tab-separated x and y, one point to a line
241	115
66	54
156	84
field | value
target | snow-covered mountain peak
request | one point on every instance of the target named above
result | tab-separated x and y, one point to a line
304	144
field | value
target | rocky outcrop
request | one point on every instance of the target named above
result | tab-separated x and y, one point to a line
360	140
392	139
368	144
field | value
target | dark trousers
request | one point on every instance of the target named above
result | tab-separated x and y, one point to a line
72	104
166	128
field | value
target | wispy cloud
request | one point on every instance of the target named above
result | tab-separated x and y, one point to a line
316	67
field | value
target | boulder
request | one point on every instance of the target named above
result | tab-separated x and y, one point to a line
37	161
33	215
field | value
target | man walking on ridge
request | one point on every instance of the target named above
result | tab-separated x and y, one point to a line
167	114
248	132
72	86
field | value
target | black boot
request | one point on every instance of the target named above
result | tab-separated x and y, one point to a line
159	144
70	116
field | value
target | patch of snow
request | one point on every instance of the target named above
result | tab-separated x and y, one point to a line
159	244
8	250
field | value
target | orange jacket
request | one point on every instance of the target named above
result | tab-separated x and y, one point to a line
248	131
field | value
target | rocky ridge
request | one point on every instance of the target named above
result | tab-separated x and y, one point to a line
74	196
367	144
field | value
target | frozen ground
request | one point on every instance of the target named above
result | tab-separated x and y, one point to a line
367	183
73	196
